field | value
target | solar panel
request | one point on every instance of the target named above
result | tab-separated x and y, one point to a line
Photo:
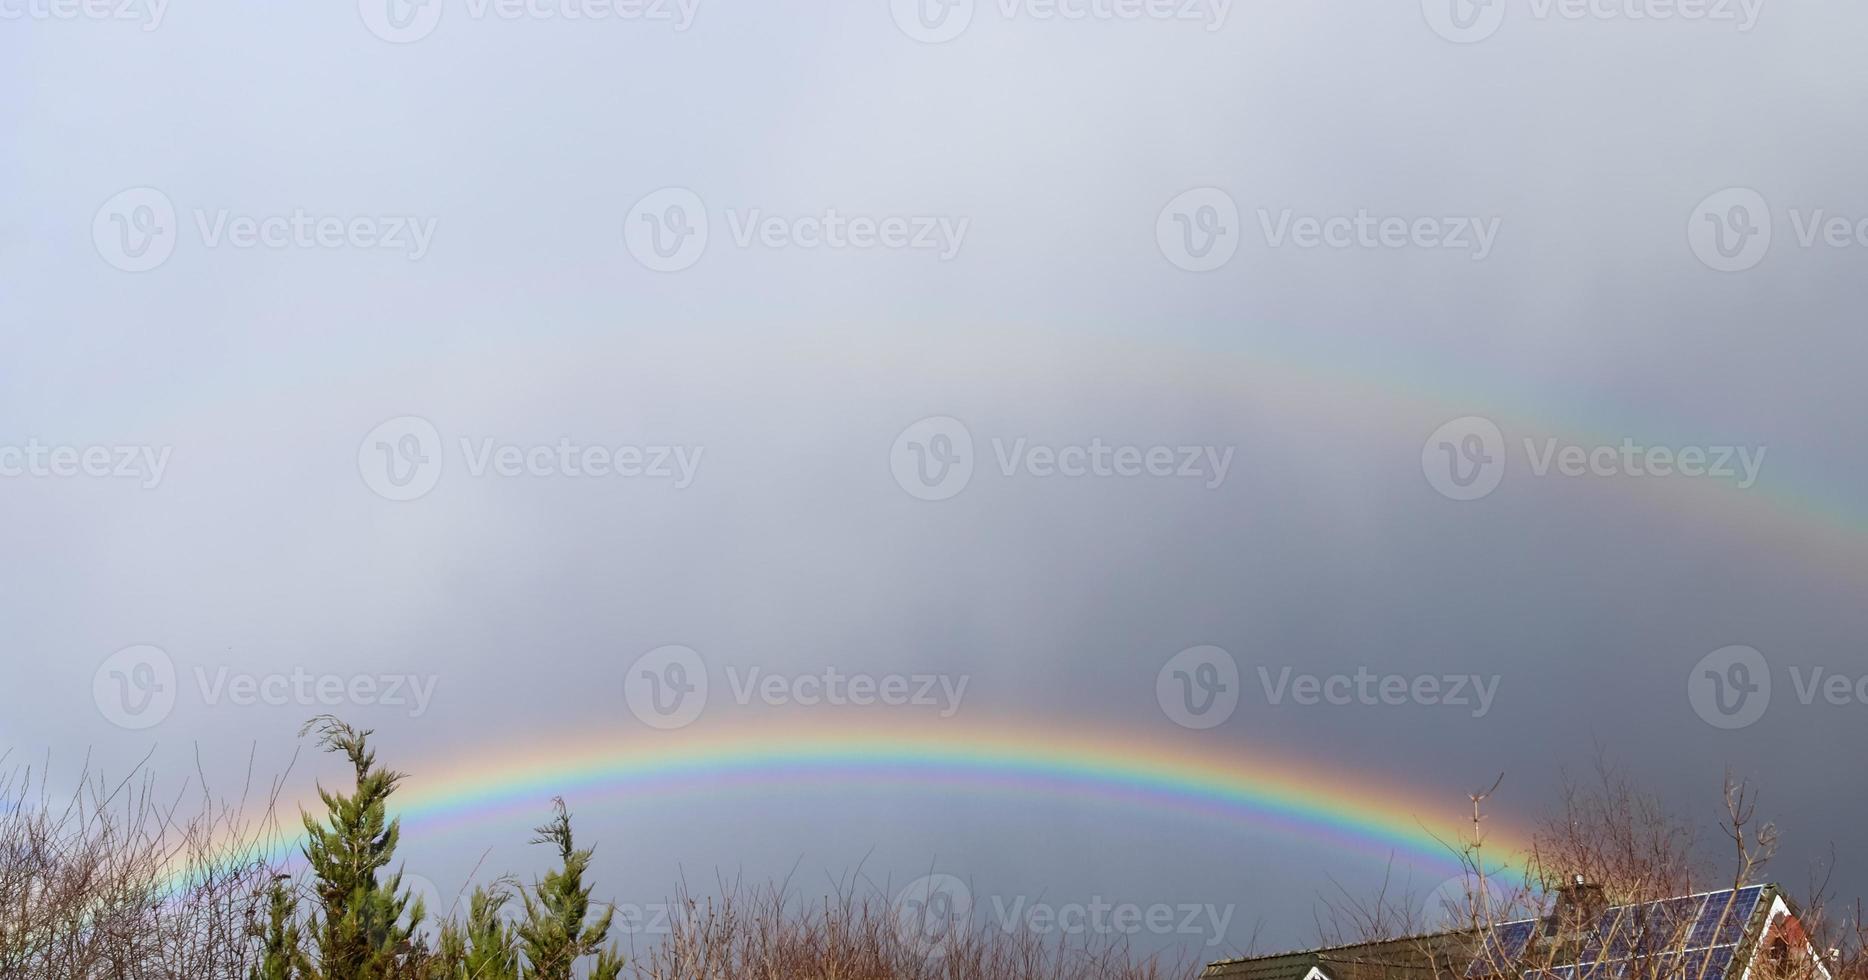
1722	921
1689	938
1504	945
1639	930
1674	917
1720	960
1601	970
1697	964
1734	931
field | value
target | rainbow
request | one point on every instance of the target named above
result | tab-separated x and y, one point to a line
1370	385
1245	793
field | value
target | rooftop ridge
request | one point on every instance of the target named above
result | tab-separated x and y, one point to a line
1737	917
1320	950
1652	901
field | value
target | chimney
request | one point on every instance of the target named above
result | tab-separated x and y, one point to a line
1579	904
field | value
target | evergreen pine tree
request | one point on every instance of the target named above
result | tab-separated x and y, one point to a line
282	954
483	948
558	930
358	924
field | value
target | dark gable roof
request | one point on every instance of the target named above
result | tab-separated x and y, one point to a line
1409	958
1697	937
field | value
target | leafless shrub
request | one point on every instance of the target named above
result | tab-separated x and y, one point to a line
113	882
762	935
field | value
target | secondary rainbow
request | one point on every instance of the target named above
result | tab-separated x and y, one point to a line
1309	371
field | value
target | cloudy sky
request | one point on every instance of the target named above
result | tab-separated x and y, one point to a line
1461	386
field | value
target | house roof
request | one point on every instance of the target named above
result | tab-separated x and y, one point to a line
1699	937
1421	957
1691	937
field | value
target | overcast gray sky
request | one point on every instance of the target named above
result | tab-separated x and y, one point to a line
1515	343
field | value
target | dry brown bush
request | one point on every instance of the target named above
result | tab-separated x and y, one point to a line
89	890
89	883
762	935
